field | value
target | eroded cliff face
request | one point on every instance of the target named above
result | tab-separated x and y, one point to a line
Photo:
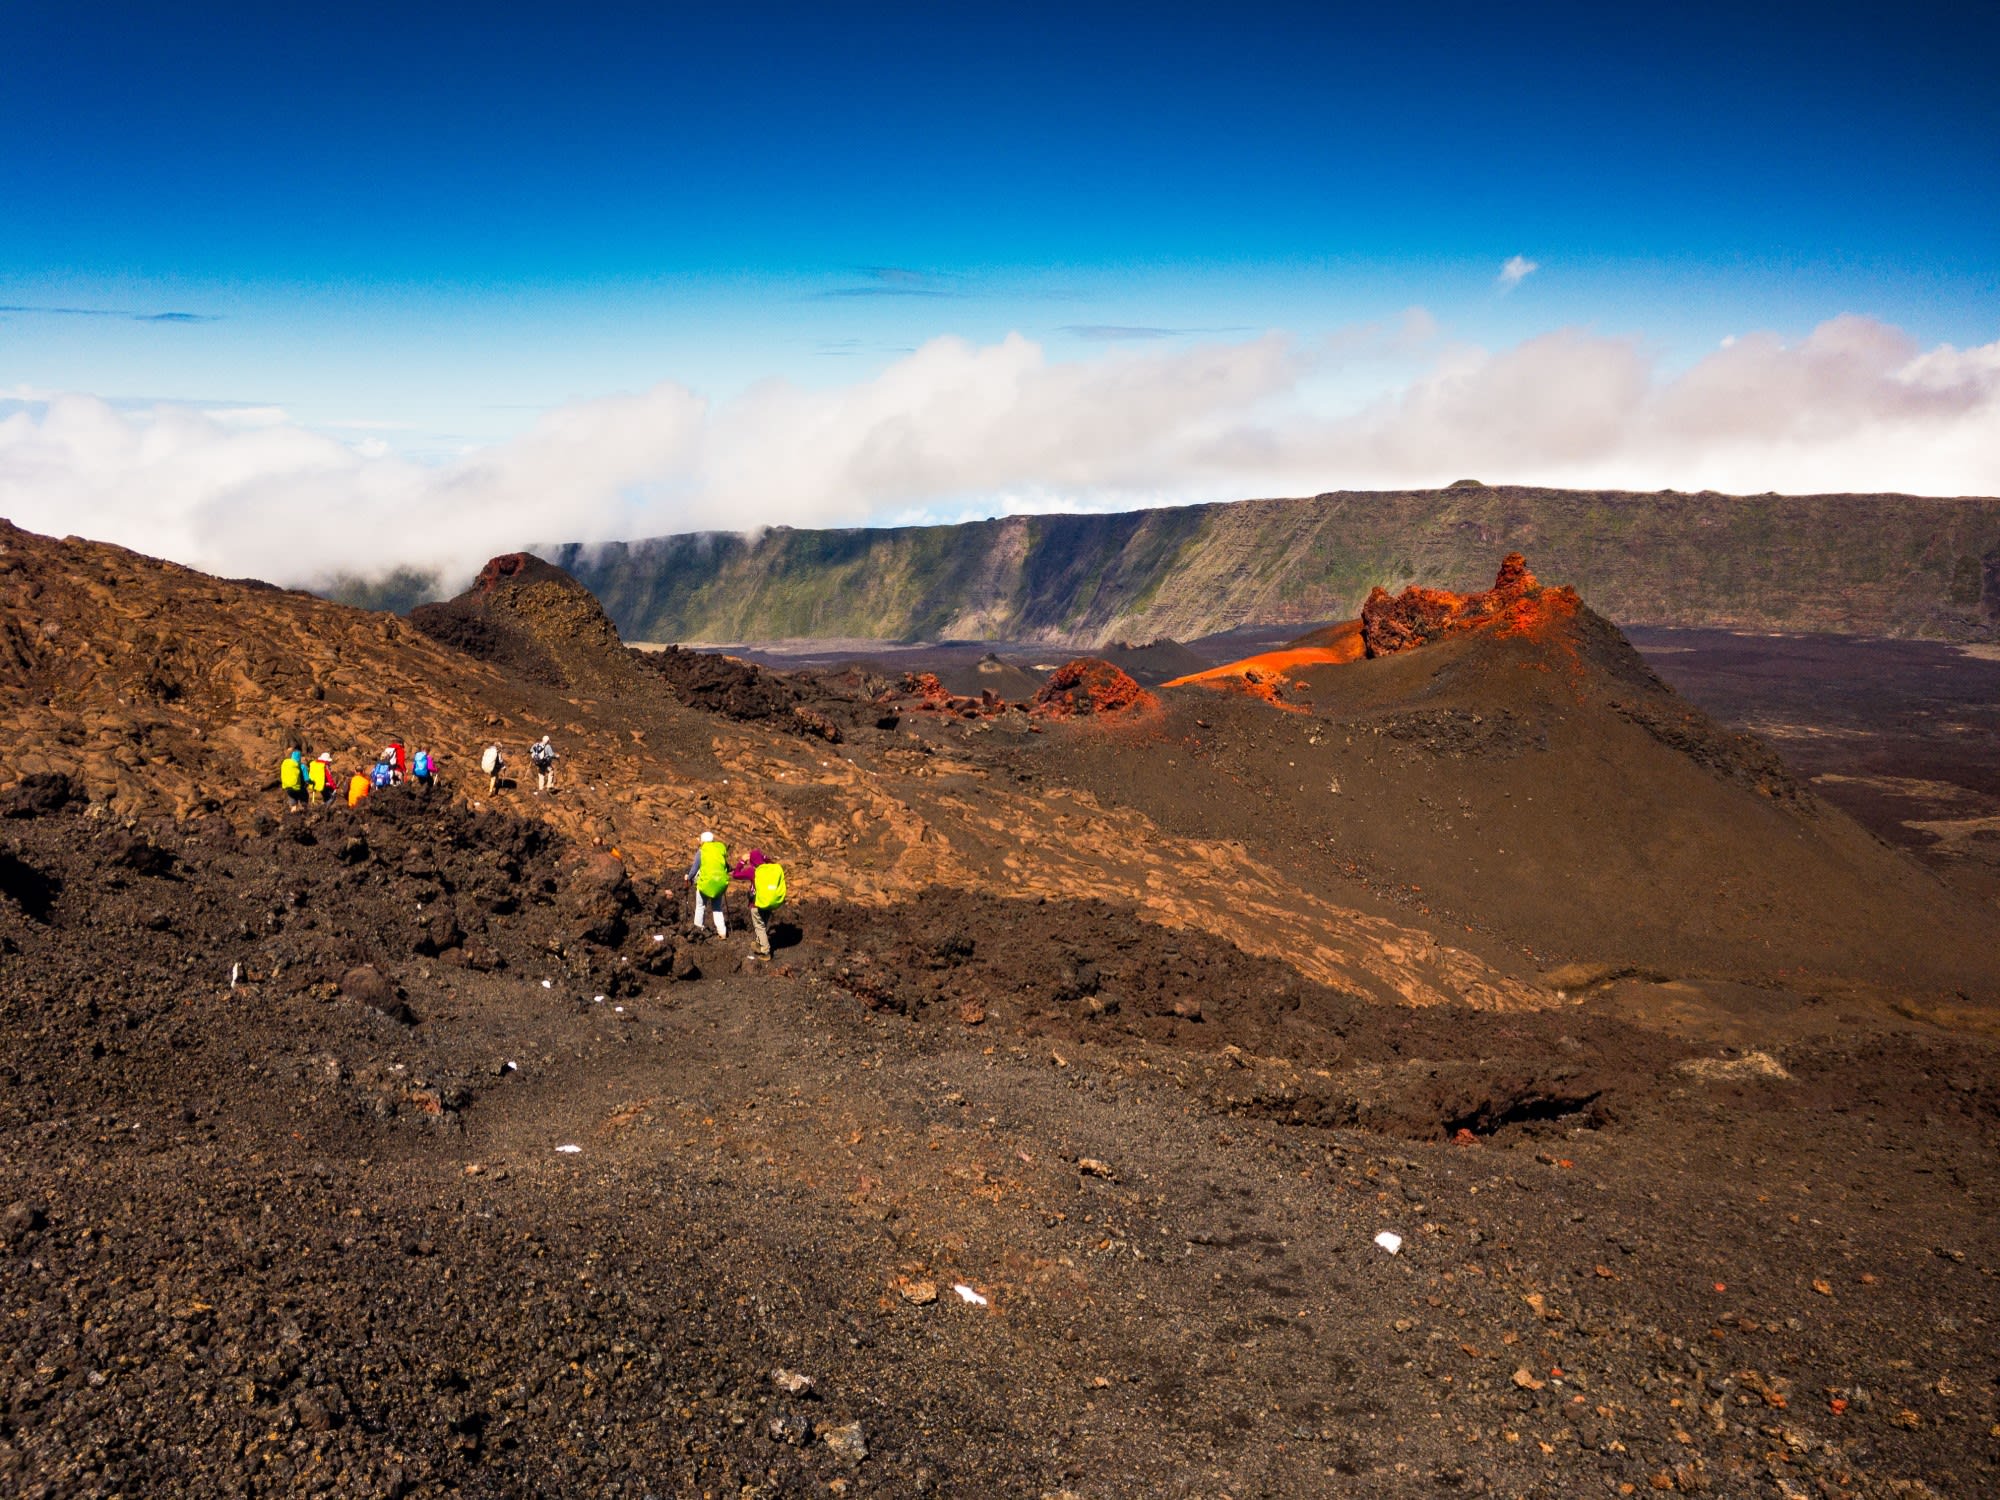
1856	564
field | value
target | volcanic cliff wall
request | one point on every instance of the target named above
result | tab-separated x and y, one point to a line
1883	565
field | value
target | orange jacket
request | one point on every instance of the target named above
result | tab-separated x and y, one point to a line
357	788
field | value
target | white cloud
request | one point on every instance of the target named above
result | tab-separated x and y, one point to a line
1517	269
956	429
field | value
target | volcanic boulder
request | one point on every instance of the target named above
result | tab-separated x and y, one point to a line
19	1223
40	794
441	931
1517	602
371	987
596	898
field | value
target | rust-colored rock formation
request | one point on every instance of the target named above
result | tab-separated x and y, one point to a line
933	697
1517	603
1089	687
508	565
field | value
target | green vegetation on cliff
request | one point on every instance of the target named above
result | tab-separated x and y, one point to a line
1857	564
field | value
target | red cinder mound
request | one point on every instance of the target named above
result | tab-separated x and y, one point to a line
508	565
1087	687
1517	603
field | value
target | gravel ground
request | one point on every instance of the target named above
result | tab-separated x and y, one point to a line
318	1234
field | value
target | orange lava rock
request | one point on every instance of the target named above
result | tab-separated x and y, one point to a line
1266	675
1517	604
1089	687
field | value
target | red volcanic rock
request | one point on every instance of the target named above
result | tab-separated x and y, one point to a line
1088	686
499	569
934	697
1517	602
1514	575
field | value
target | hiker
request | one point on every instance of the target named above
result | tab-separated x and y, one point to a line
492	762
393	753
292	777
383	773
542	756
358	786
319	777
709	875
767	894
423	770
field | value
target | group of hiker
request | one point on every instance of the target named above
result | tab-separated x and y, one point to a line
541	755
308	780
710	875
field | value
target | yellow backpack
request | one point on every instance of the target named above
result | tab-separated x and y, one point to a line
288	775
768	883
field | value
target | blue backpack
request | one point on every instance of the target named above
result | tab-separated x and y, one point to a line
384	774
421	766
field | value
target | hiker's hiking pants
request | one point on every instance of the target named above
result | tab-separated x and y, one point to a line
704	905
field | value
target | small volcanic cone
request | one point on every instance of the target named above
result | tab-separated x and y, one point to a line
1517	602
529	616
1089	687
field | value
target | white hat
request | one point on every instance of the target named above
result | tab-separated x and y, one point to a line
708	838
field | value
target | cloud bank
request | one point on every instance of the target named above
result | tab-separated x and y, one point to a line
956	429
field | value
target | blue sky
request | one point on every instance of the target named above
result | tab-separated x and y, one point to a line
419	234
